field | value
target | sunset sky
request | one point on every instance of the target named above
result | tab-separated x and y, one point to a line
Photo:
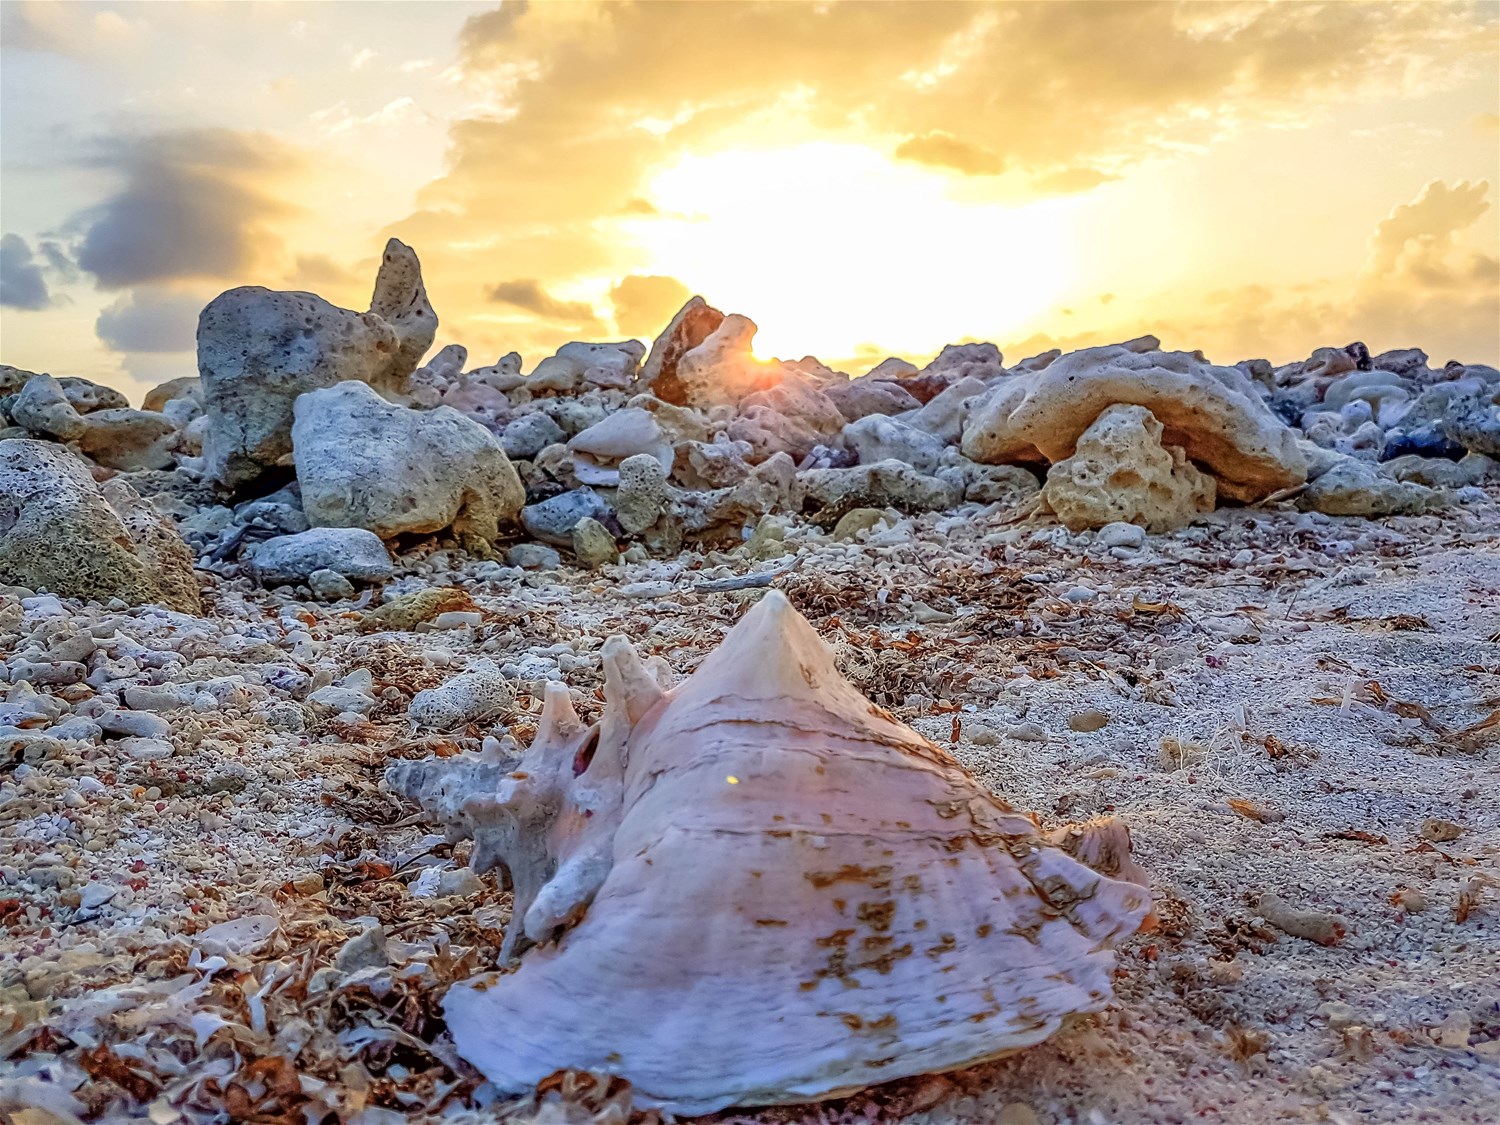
860	179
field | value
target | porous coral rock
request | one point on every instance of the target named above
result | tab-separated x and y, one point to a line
1120	471
130	440
475	695
1352	487
691	326
1213	413
258	350
722	369
829	493
62	532
365	462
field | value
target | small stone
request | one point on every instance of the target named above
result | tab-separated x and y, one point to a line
533	556
1410	900
1440	831
1087	721
329	585
96	895
1080	594
353	552
1026	732
593	544
365	951
1017	1113
146	749
1121	534
851	524
981	735
1454	1030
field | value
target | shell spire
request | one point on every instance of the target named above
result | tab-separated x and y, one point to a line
759	888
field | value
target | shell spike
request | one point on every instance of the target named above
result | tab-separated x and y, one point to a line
558	722
630	690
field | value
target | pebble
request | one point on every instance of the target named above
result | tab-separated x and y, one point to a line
1087	721
147	749
1121	534
329	585
1081	594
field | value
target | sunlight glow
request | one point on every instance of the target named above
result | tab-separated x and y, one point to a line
829	246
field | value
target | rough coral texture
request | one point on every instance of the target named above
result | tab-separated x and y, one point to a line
60	531
1122	472
259	349
365	462
1213	413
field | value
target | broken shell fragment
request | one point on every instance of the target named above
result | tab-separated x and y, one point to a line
758	888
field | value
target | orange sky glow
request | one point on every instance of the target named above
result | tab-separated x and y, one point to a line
860	179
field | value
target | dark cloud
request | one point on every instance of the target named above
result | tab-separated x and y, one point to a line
529	295
22	285
944	150
644	303
150	320
194	205
484	36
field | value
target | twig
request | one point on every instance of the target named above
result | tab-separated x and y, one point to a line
746	581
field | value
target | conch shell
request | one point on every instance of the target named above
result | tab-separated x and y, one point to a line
759	888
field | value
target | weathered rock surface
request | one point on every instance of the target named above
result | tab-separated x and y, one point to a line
365	462
351	552
259	349
43	408
830	493
722	369
1213	413
693	324
62	532
130	440
1352	487
1121	472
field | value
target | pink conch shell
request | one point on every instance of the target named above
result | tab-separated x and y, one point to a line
759	888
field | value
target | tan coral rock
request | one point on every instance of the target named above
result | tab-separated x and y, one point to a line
1213	413
796	894
693	324
722	369
1120	471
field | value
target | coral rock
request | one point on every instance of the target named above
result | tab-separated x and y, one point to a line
796	893
693	324
365	462
259	349
1213	413
1122	472
60	531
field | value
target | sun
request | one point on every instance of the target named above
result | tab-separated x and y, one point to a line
834	248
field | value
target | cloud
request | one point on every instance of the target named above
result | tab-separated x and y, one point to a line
578	108
1422	231
943	150
194	204
150	320
644	303
1487	123
530	295
22	285
483	37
